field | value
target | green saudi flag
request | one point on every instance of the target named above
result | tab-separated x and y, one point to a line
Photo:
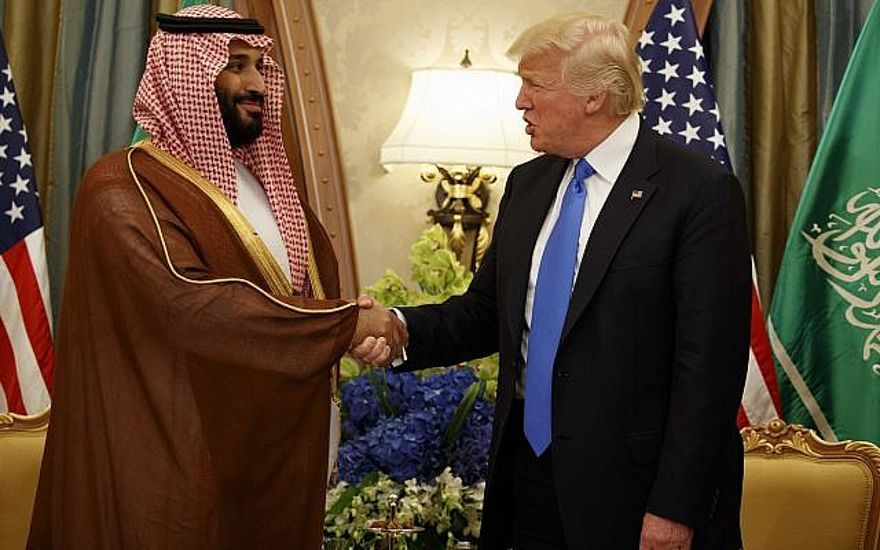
825	319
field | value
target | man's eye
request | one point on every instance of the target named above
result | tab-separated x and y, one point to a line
235	67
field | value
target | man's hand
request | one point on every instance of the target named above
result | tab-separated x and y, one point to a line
380	336
664	534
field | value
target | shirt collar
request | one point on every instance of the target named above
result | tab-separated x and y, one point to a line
608	157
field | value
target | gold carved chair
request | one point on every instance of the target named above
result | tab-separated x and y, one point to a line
803	493
21	451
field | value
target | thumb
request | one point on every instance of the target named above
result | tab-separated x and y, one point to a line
365	302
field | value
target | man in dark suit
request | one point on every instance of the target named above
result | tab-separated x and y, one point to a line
617	291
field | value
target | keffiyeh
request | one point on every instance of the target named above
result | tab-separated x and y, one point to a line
177	105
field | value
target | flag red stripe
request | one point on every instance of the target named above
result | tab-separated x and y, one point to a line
33	310
741	419
8	374
761	348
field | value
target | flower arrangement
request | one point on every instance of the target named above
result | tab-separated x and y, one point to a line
423	437
448	509
411	427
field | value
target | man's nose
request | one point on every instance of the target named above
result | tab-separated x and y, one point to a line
254	81
522	100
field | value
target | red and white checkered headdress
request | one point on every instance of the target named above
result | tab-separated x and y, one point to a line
177	105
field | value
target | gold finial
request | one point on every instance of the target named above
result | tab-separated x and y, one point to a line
466	62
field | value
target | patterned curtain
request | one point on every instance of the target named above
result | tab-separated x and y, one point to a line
837	27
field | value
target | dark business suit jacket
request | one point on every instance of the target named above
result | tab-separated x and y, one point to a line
652	361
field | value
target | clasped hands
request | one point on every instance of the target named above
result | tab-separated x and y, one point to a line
380	335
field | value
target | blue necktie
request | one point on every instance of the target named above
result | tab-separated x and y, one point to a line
552	294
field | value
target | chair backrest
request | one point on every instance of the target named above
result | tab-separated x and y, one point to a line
801	492
21	451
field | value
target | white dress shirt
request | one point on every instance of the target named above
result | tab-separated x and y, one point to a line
607	159
254	204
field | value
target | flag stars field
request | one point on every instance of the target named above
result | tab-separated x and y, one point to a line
717	138
666	99
20	184
25	312
675	16
15	213
694	105
23	158
669	71
7	97
662	127
672	43
680	91
697	77
5	124
682	107
689	133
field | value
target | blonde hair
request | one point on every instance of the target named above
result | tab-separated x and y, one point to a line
597	54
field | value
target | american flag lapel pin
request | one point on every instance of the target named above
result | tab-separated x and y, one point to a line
636	194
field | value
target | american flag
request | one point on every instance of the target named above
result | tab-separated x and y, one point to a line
26	354
681	105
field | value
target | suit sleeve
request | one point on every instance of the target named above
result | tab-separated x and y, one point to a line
712	293
463	327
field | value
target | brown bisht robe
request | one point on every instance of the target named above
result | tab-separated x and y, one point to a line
192	404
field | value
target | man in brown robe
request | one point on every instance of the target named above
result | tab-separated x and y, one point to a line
197	341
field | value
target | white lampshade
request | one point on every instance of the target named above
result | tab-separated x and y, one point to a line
460	116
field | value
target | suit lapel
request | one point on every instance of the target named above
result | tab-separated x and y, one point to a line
630	194
526	216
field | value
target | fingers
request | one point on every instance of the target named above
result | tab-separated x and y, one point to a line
399	331
372	350
662	534
380	336
399	337
379	353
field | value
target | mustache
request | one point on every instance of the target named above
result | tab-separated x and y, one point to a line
253	97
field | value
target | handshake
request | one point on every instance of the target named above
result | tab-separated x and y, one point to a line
380	335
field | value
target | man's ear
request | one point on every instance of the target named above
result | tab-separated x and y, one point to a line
595	101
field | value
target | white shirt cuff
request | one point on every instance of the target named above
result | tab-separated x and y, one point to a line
402	359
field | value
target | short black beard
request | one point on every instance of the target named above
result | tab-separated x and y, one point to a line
240	133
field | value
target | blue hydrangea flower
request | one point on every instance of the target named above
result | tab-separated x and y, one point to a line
470	456
362	408
355	460
407	445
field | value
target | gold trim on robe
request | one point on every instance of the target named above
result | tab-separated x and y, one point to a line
251	241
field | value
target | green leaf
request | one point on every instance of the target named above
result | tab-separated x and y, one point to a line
348	369
390	290
465	406
380	386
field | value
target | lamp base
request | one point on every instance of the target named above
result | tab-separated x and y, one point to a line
462	195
